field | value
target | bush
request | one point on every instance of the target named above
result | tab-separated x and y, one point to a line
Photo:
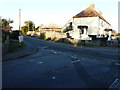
75	44
42	36
15	46
48	39
14	35
64	40
4	36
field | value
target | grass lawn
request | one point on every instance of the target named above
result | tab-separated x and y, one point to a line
15	46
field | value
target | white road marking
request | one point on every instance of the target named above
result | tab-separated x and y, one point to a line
58	52
51	50
74	56
31	60
75	61
39	62
83	58
53	77
117	64
45	47
115	83
55	52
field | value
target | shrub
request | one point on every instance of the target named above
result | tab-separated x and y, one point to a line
42	36
48	39
14	35
15	46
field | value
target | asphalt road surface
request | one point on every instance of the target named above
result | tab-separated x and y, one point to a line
56	65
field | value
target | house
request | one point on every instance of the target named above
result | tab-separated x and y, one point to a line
88	25
52	32
30	33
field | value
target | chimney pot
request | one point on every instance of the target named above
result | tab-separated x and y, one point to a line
92	6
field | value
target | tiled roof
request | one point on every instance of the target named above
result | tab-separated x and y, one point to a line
90	12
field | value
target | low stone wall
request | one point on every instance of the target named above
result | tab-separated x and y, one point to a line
56	35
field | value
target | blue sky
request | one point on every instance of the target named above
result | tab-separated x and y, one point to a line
55	11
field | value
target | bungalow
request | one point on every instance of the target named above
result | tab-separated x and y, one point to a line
88	25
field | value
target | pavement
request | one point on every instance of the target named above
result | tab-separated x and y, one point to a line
28	50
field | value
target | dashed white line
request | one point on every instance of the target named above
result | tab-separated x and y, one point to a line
45	47
31	60
83	58
117	64
74	56
75	61
39	62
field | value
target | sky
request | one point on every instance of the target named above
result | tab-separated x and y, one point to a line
55	11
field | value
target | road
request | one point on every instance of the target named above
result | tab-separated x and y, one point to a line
57	65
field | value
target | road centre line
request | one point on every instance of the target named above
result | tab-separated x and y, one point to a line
75	61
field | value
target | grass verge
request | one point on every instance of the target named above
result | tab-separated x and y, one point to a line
15	46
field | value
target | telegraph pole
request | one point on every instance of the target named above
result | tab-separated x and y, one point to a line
20	37
19	20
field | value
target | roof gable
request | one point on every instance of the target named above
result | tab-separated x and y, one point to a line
90	12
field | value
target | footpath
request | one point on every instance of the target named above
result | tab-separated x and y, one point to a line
29	49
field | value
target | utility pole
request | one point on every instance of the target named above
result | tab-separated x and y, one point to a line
19	20
20	36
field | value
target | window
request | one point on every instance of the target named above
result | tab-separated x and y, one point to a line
82	29
70	26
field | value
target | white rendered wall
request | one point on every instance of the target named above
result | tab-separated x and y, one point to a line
91	22
102	26
95	25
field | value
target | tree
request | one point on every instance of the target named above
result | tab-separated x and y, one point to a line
24	29
5	28
5	24
30	25
118	34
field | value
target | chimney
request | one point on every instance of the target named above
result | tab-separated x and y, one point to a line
92	6
100	12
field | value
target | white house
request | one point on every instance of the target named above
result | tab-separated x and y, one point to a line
87	25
